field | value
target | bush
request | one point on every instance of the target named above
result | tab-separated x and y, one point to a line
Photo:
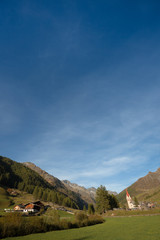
81	216
95	219
52	218
83	220
14	224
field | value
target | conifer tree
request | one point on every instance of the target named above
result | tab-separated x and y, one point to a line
21	186
102	200
44	195
53	197
35	192
40	192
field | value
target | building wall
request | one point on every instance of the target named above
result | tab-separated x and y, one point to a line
130	202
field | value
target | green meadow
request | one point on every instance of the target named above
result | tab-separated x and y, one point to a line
115	228
65	215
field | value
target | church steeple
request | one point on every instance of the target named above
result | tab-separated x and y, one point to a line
129	200
127	194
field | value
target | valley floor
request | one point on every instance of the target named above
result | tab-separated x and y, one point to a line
126	228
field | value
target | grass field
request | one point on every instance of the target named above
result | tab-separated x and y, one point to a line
62	214
117	228
132	213
65	215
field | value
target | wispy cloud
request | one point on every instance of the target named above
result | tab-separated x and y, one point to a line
101	147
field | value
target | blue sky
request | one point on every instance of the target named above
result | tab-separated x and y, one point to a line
80	88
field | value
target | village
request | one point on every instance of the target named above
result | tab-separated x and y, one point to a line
139	205
37	207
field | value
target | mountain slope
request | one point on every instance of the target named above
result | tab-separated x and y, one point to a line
65	186
58	185
13	173
55	182
4	200
87	195
16	175
146	188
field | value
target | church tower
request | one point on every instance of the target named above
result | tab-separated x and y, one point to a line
129	201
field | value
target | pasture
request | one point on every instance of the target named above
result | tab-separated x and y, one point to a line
116	228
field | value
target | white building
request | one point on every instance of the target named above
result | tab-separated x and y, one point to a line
129	201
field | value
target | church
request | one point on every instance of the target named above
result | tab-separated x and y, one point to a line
130	201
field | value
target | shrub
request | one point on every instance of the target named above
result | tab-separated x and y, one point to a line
83	220
14	224
80	216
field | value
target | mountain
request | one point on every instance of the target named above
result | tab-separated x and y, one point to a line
17	175
146	188
30	178
65	186
12	174
87	195
112	192
55	182
59	185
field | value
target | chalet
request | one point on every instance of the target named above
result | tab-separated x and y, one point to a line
31	207
19	207
34	206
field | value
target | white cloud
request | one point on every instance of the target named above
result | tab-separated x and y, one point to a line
117	161
100	146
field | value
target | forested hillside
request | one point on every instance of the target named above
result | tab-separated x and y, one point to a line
80	194
16	175
59	185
